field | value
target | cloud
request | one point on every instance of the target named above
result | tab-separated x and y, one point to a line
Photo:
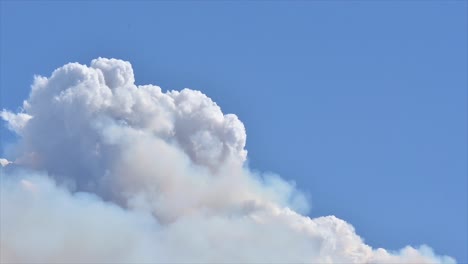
16	122
107	171
4	162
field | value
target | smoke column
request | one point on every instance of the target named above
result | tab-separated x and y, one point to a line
106	171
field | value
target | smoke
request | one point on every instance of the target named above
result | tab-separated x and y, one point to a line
106	171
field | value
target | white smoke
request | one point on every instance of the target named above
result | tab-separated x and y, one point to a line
107	171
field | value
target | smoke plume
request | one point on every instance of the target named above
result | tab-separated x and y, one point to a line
106	171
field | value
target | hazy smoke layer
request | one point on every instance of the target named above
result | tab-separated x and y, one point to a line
107	171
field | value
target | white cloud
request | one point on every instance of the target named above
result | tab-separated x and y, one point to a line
4	162
113	172
16	122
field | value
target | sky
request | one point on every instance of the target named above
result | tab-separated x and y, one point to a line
363	104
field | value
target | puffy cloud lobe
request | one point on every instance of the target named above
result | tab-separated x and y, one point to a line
149	176
4	162
16	122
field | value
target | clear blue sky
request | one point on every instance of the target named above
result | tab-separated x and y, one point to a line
363	104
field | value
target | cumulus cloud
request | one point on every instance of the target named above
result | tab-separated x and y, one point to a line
108	171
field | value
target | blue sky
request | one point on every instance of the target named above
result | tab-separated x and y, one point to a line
363	104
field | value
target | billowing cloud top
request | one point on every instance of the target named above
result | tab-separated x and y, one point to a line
107	171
